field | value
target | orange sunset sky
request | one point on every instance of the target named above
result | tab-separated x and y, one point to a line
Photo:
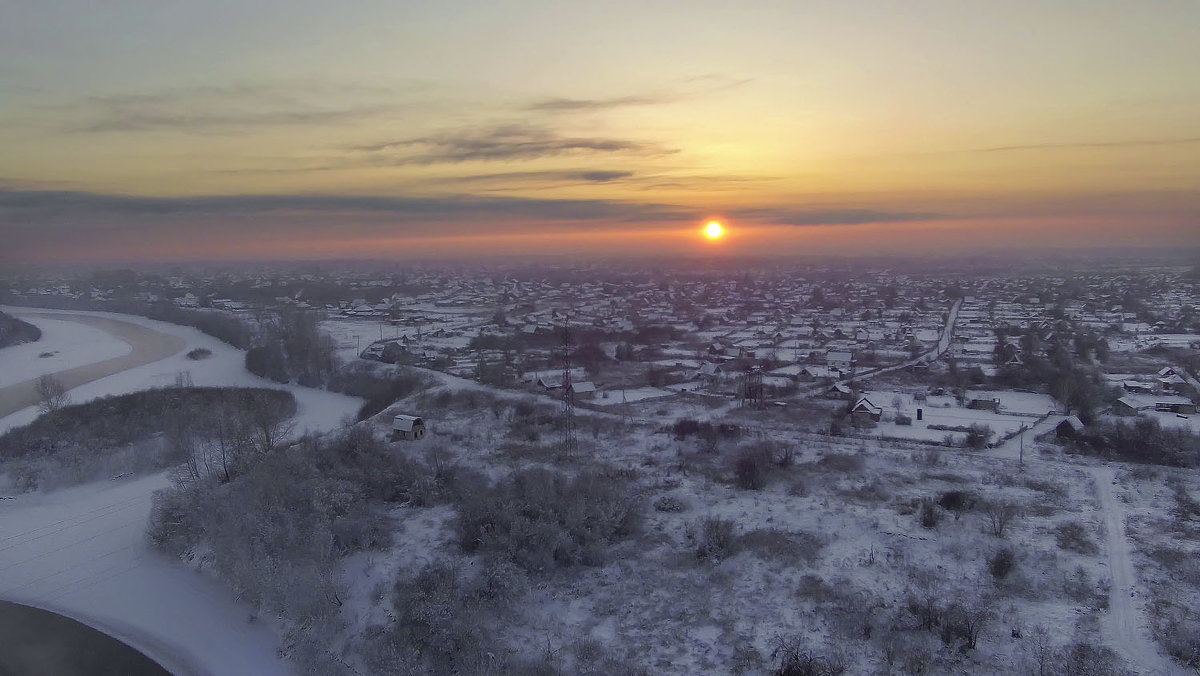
304	130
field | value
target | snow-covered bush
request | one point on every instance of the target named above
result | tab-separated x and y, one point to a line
1001	563
1072	536
541	520
716	540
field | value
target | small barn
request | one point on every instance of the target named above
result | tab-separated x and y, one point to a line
407	427
583	390
992	404
839	391
1068	428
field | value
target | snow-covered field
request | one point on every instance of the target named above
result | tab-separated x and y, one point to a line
67	344
631	395
81	552
352	336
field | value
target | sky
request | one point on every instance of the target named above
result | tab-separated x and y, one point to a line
304	130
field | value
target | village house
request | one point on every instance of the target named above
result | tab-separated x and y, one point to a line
842	361
863	410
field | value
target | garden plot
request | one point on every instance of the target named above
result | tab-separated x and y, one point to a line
938	422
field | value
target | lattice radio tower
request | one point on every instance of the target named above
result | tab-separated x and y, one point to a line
570	440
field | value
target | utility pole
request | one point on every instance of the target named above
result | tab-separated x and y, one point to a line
1021	457
570	442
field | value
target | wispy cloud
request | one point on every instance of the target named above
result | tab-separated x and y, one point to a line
1135	143
552	176
562	104
691	89
807	217
237	107
63	205
499	143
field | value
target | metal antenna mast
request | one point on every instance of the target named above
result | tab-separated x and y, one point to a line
570	440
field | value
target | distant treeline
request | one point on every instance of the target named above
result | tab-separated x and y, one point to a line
13	331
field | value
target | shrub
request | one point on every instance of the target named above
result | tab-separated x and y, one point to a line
685	427
716	540
380	390
1180	635
957	500
841	462
199	353
539	519
1074	537
902	419
362	529
670	503
268	362
793	658
438	625
924	607
978	436
929	515
1001	563
773	543
750	469
964	622
13	331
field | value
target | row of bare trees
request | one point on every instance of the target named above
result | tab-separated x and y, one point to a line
235	437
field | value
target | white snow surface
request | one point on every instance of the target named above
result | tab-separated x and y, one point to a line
81	551
70	344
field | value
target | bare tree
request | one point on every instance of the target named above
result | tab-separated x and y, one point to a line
1000	514
52	394
268	426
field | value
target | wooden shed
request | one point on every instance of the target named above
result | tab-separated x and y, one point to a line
407	427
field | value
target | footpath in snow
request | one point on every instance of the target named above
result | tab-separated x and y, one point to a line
1126	626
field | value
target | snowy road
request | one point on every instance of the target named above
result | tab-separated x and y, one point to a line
1125	625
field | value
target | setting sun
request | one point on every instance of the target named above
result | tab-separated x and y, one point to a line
713	230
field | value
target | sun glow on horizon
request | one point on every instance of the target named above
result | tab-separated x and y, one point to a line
714	230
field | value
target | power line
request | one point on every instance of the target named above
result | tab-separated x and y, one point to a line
570	440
